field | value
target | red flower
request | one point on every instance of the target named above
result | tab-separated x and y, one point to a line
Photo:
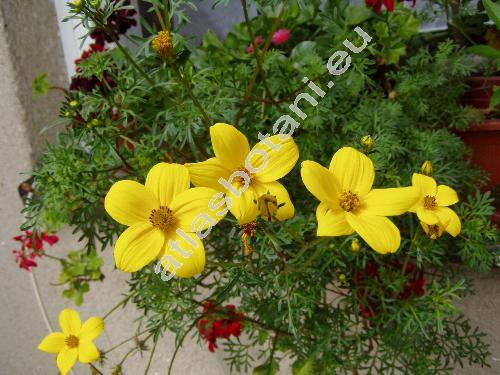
376	5
25	262
220	322
31	247
281	36
258	40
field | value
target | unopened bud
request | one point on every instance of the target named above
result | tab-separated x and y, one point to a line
367	142
341	277
427	168
94	122
355	245
73	103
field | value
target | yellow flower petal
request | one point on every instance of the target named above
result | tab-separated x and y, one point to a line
285	209
429	217
188	205
230	145
138	246
66	359
167	180
207	173
177	247
320	182
426	184
70	323
447	215
129	202
275	163
353	169
92	328
378	232
446	196
332	222
244	208
390	202
87	352
52	343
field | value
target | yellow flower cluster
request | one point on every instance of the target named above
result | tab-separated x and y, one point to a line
166	218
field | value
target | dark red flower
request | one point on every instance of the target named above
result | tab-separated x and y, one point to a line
376	5
119	22
220	322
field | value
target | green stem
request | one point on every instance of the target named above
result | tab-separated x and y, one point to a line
267	44
122	302
187	86
179	344
271	356
96	369
151	357
52	257
256	52
125	341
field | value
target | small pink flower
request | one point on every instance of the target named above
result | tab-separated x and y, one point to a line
258	40
281	36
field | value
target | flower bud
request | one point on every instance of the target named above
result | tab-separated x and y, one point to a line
427	168
77	4
367	142
68	114
95	3
162	44
341	277
355	245
94	122
73	103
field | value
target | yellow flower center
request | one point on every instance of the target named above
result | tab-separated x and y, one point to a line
349	201
429	202
162	218
162	44
240	181
72	341
268	206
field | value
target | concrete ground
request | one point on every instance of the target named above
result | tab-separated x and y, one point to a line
23	55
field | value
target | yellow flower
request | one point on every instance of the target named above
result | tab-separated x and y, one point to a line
348	203
163	216
162	44
75	340
432	204
248	177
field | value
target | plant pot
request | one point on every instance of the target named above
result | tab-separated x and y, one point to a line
484	137
480	91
